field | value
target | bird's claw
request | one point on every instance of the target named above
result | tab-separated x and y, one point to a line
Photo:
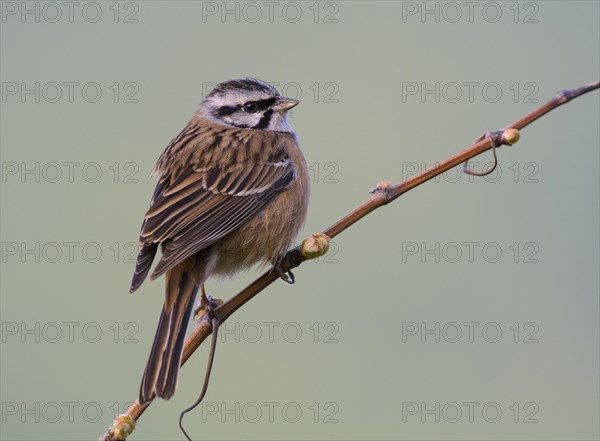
206	308
288	277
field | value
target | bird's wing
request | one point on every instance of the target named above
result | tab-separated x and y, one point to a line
206	201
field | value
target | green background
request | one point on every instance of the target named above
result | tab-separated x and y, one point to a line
362	369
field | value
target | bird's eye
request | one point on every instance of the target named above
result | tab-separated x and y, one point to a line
250	107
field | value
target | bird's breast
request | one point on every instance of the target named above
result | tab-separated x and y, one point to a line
273	230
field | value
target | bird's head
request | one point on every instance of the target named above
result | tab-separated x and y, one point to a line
248	103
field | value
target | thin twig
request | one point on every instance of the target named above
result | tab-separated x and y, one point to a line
383	194
214	326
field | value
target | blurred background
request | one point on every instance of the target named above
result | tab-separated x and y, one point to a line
467	309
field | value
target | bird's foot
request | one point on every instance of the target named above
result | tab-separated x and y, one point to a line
287	277
206	307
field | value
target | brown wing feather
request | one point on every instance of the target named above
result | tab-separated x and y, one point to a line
200	200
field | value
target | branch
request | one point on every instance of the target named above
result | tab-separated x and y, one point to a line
383	194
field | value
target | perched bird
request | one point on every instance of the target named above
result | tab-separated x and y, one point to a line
232	191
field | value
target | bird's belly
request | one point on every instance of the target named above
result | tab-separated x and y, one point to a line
265	237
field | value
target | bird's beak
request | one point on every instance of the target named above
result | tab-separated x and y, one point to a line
284	104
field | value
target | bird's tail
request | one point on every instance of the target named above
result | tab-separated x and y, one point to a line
160	376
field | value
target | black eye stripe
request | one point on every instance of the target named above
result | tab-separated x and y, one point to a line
226	110
267	103
262	104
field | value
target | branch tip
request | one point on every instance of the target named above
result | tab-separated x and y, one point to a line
122	427
563	96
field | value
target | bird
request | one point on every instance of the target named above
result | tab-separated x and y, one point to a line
232	192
